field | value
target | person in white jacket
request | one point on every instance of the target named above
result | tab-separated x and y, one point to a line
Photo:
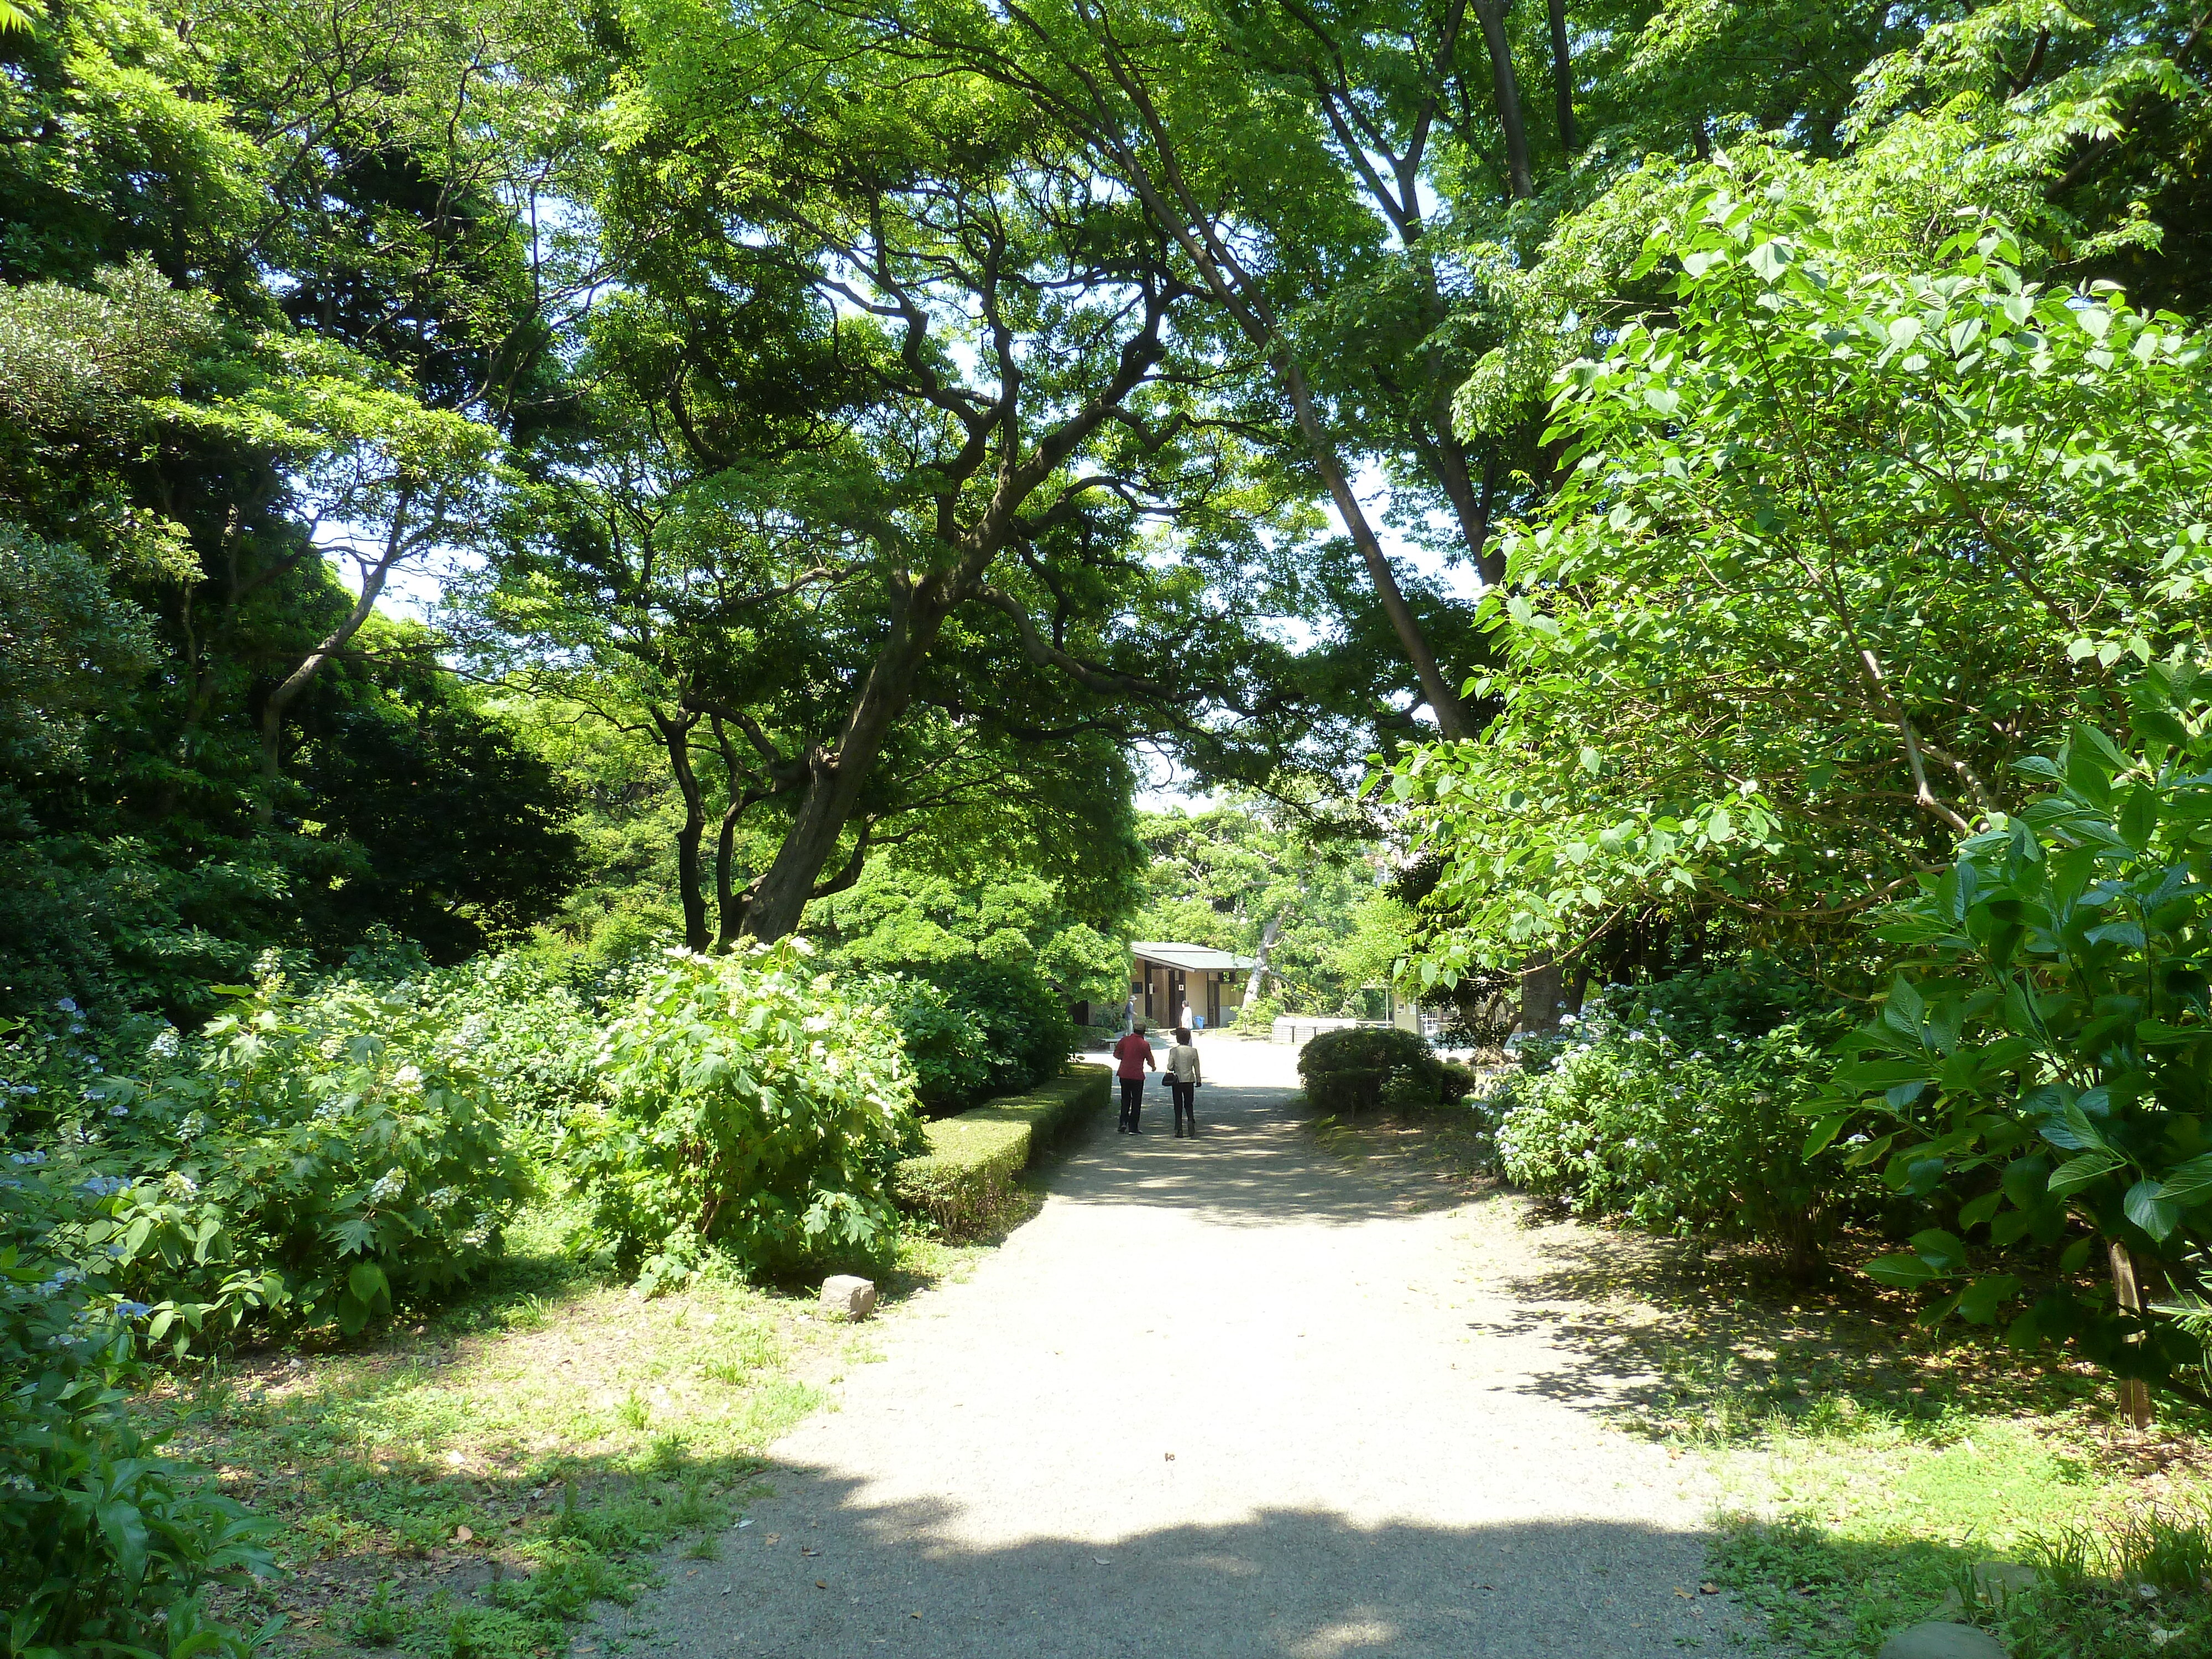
1183	1079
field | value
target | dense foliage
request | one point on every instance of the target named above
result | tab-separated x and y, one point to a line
105	1544
753	1107
1361	1068
2040	1067
1841	543
488	491
1679	1108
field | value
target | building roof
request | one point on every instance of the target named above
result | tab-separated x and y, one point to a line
1191	958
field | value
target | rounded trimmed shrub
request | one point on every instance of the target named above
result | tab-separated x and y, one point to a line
1362	1066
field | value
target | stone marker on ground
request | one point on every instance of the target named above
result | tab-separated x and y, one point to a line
1938	1640
843	1293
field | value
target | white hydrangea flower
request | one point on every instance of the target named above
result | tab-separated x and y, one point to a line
392	1184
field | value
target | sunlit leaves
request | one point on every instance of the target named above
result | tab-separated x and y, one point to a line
1805	590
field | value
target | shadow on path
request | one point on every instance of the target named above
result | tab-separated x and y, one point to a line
821	1572
1252	1163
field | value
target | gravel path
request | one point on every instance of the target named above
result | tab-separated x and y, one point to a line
1222	1396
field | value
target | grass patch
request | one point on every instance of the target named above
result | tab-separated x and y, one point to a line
468	1486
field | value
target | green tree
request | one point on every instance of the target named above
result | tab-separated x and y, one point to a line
906	543
1842	541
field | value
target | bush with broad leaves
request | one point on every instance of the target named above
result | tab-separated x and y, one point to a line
105	1545
752	1108
2044	1064
1675	1106
318	1155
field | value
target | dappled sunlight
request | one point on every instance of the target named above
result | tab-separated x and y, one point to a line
1252	1163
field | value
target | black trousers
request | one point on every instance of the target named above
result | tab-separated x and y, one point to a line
1133	1100
1186	1104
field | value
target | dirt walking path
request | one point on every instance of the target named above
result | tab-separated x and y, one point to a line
1222	1396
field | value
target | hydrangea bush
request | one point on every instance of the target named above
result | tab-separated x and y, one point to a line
105	1545
318	1155
1676	1115
753	1108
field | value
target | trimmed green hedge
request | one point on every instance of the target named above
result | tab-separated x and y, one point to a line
963	1181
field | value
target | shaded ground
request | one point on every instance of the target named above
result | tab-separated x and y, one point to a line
1222	1396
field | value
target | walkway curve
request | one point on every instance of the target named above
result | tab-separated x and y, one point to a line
1226	1397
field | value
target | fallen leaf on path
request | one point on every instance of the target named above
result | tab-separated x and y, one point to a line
822	1583
1684	1593
1709	1590
462	1534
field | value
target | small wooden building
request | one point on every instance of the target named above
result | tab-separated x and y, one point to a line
1165	978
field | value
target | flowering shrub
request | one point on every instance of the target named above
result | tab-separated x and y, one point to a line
104	1545
1622	1118
751	1108
319	1154
529	1036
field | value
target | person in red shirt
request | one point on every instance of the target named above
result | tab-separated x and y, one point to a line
1135	1058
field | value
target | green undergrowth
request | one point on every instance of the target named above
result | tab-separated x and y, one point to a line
1872	1481
468	1486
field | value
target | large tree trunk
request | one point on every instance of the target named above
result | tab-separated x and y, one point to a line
1176	209
1441	695
1540	994
779	898
1520	176
1269	935
1563	76
690	873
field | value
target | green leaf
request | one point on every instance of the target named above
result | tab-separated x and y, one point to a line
1975	1212
2071	1129
2188	1183
2078	1172
2149	1212
2075	1256
1818	1137
367	1281
1979	1302
1905	1272
1942	1251
1905	1010
2138	817
125	1528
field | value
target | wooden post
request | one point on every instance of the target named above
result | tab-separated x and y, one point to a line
2135	1393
